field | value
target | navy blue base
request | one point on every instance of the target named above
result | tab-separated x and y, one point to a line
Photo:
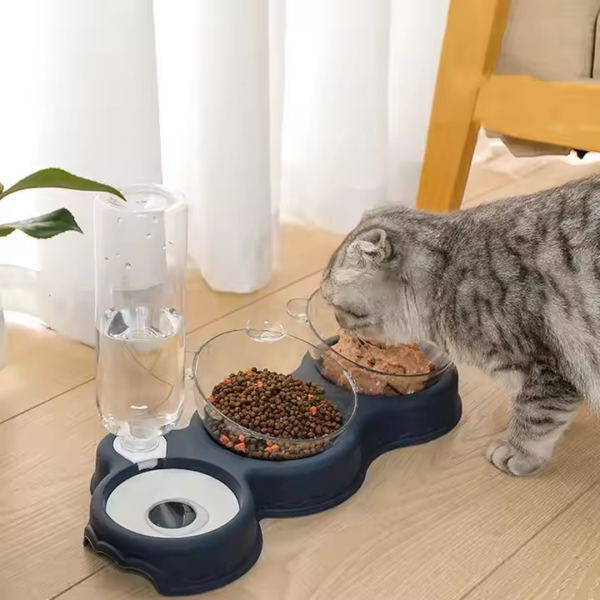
265	489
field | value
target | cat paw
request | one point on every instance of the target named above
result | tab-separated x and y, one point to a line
504	456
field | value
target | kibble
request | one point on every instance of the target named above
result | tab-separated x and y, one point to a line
274	405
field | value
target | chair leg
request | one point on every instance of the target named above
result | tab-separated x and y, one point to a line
470	50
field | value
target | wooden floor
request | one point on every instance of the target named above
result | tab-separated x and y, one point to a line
435	522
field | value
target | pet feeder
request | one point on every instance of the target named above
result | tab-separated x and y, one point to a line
189	519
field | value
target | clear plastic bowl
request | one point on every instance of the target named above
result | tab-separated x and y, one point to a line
324	332
266	346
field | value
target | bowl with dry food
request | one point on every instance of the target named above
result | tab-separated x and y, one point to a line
254	397
376	370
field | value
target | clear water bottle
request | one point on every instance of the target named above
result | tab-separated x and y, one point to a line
140	257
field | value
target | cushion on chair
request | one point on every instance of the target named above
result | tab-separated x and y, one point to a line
552	40
596	65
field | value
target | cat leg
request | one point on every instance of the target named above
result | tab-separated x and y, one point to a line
541	411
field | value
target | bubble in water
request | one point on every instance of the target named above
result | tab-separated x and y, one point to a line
118	254
106	258
155	220
128	265
148	236
170	243
118	219
164	247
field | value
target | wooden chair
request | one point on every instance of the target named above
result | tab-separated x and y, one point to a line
469	95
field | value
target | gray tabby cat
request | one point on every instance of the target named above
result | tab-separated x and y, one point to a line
512	287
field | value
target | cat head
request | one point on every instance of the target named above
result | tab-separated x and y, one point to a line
361	283
382	278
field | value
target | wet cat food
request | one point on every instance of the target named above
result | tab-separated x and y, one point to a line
295	413
407	366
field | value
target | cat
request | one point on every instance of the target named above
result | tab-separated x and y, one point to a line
511	287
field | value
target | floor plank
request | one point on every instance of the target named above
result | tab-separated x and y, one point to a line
560	563
47	460
546	174
40	365
500	169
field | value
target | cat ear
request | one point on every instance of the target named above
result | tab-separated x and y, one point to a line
375	245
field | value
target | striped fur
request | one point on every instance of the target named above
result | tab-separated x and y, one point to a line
512	287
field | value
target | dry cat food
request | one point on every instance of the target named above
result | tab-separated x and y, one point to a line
273	405
400	361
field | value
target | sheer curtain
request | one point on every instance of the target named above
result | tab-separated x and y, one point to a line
258	111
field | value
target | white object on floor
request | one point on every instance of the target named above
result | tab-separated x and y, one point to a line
131	502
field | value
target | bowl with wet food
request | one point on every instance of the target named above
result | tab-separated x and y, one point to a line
376	369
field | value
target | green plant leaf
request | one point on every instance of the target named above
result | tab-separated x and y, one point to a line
58	178
44	226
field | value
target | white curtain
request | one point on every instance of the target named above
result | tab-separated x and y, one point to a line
257	110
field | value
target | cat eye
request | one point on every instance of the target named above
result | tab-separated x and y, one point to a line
352	313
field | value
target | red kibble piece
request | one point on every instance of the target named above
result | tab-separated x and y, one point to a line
240	447
310	396
225	382
242	438
211	399
274	447
260	384
269	443
224	439
229	444
313	410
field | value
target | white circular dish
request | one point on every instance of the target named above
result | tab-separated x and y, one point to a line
130	503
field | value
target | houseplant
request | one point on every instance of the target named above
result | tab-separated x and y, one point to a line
49	224
58	221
